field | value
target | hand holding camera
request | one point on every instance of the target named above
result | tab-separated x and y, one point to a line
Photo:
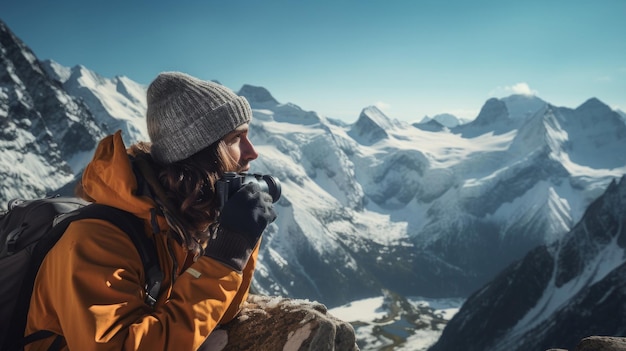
248	212
245	214
231	182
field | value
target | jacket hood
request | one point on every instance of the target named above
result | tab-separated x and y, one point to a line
109	178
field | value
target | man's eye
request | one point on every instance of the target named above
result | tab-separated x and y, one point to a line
234	139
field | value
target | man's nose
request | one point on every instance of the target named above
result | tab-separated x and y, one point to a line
249	153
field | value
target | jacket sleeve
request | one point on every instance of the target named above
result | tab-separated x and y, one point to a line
90	290
242	293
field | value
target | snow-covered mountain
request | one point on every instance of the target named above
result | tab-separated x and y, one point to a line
42	127
366	206
117	103
557	294
442	120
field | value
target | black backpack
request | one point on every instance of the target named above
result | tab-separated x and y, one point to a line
28	230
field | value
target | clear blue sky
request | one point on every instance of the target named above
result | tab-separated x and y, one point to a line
410	57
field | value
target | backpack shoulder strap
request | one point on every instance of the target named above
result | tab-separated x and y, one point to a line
127	222
133	227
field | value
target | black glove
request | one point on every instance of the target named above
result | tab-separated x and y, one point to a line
242	221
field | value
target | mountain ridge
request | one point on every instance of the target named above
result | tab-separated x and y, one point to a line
558	293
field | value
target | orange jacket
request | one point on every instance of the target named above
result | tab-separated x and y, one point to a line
89	288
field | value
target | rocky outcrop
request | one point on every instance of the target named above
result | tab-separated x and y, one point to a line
602	343
268	323
599	343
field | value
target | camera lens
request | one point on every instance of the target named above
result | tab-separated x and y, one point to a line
268	184
273	187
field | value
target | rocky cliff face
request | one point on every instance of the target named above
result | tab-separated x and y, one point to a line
41	126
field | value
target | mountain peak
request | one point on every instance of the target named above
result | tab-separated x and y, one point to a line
594	104
86	76
377	116
493	110
56	70
447	119
503	115
521	107
257	96
371	126
430	125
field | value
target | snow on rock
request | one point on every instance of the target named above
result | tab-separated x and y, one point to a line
275	323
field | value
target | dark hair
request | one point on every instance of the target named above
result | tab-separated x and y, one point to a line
189	185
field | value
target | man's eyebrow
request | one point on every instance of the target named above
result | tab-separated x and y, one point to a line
236	132
239	130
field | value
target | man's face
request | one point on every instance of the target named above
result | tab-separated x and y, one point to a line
240	148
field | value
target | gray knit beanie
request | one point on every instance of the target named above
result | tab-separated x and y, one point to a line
186	115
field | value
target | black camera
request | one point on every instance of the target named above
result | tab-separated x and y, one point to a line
232	181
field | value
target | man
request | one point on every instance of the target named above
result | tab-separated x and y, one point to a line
89	290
